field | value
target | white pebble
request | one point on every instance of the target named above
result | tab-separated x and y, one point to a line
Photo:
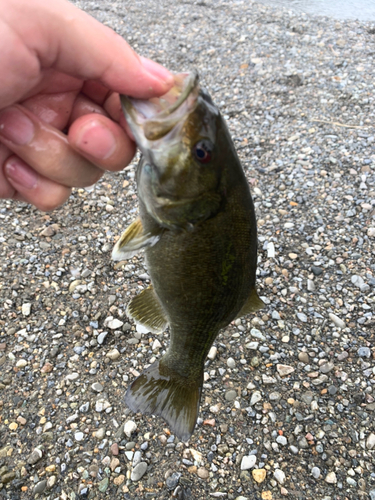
26	309
231	363
279	476
248	462
129	428
212	353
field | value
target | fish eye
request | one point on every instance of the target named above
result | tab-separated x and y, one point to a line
203	151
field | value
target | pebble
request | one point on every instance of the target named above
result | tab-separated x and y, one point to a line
315	472
130	427
79	436
279	475
255	398
230	395
336	320
327	367
282	440
284	370
138	472
364	352
101	337
212	353
97	387
113	354
248	462
40	487
331	478
370	441
259	475
100	433
303	357
35	456
231	363
172	480
316	270
103	485
302	317
203	473
26	309
113	323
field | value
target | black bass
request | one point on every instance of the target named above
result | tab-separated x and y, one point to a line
197	226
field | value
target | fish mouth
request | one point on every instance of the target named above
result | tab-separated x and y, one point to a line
153	119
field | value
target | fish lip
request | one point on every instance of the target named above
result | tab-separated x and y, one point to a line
149	121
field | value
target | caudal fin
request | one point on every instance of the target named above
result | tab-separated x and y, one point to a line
170	396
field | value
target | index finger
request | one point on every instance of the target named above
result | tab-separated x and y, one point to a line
60	36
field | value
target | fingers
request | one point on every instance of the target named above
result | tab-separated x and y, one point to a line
84	106
54	109
27	185
45	149
60	36
101	141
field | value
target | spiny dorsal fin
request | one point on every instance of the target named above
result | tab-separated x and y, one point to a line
146	310
133	239
253	303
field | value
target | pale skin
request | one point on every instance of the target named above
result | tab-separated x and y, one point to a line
61	125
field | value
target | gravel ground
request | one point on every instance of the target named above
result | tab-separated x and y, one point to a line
288	403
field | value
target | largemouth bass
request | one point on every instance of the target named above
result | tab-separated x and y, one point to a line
197	226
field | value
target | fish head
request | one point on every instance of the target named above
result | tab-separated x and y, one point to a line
179	175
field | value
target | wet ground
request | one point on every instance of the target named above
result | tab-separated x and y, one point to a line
338	9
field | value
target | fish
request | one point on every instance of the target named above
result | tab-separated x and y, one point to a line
198	229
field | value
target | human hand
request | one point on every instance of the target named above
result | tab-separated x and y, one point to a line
61	70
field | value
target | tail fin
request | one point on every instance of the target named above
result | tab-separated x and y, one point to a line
171	397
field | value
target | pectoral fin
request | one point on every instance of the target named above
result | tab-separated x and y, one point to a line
133	239
146	309
253	303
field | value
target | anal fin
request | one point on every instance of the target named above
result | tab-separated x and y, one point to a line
134	239
146	309
253	303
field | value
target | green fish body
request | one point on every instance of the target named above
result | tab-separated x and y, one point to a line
197	226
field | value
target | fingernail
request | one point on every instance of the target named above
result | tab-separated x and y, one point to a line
16	126
157	70
21	174
97	141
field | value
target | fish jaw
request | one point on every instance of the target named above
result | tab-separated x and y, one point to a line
151	120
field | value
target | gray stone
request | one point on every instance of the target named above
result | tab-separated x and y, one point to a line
279	475
231	363
302	317
326	367
101	337
315	472
255	398
40	487
284	370
139	471
230	395
364	352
